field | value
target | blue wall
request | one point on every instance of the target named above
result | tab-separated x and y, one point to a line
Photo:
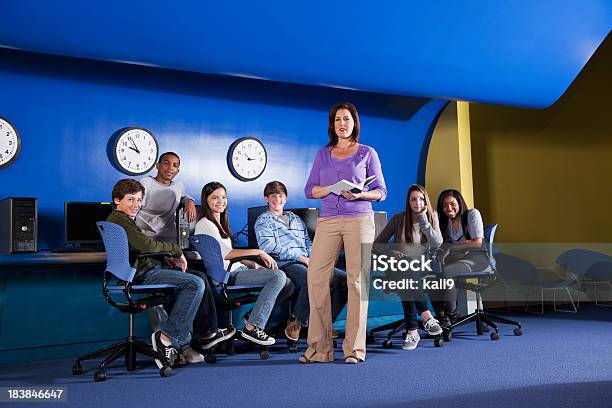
66	110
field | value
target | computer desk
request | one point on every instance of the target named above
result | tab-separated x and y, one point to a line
48	258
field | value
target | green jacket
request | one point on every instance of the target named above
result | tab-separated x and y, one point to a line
140	243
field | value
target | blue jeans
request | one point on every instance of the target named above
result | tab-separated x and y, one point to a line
411	307
205	321
187	298
273	281
298	273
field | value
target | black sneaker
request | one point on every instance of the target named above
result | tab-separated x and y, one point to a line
258	336
168	351
445	322
218	337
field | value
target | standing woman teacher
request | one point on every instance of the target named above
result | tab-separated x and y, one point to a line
347	221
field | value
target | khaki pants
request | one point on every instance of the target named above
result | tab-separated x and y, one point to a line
333	234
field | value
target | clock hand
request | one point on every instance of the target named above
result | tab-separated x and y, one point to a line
136	150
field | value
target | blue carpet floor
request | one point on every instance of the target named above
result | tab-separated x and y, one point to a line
561	360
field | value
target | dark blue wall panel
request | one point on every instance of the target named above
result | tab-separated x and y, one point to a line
517	52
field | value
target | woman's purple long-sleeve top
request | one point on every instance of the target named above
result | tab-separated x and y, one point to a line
326	171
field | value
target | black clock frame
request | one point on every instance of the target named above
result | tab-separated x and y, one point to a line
18	151
113	150
230	153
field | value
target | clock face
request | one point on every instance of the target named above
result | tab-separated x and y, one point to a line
10	143
247	158
135	151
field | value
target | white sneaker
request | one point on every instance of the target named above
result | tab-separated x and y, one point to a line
191	356
432	326
411	341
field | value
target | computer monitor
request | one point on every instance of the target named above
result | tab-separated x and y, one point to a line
309	216
380	221
80	221
252	214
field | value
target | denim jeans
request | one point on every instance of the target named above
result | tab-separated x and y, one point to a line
188	295
273	281
205	321
411	307
298	273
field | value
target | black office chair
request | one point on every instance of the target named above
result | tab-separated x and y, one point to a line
118	267
477	282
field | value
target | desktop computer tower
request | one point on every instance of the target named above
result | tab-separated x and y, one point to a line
19	225
184	228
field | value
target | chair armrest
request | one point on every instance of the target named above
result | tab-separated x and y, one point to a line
253	258
158	255
475	275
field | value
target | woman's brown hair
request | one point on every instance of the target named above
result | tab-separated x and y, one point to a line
331	130
433	220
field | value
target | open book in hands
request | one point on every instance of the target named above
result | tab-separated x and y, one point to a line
352	187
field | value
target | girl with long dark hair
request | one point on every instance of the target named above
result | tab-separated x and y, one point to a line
463	234
417	229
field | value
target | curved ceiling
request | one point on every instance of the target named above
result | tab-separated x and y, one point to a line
522	53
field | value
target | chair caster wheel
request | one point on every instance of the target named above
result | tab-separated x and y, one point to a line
210	358
179	363
518	332
494	336
77	369
448	336
438	342
387	344
99	375
165	371
369	339
264	354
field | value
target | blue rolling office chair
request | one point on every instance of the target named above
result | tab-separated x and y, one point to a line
118	266
229	297
589	267
477	282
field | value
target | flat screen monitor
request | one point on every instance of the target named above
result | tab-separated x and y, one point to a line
80	221
380	221
309	216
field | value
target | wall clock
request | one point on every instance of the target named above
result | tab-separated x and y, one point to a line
134	151
10	143
247	158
